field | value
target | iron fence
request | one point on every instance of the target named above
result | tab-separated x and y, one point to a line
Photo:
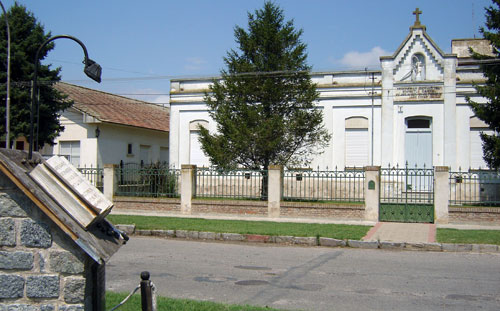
153	180
316	185
407	184
475	188
95	175
233	184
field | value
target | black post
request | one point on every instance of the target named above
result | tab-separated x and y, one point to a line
146	292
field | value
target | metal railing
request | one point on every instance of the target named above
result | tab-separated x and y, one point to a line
95	175
407	184
316	185
475	188
233	184
153	180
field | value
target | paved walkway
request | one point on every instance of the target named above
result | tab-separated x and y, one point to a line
402	232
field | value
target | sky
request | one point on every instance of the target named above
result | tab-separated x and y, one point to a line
141	45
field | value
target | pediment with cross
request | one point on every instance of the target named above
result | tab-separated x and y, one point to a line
418	58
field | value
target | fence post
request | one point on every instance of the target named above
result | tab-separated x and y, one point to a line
274	190
110	182
372	192
146	292
187	184
441	194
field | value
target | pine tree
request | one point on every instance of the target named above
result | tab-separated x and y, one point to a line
263	103
490	111
27	35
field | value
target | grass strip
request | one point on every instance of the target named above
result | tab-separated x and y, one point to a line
164	304
444	235
336	231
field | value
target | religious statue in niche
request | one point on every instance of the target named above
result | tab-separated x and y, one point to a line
417	72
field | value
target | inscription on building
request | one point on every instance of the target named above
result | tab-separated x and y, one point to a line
404	93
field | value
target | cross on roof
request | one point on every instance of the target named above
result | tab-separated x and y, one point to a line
417	12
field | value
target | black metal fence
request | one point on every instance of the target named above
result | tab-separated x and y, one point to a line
318	185
152	180
475	188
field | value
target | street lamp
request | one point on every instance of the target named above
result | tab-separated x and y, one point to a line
7	104
92	70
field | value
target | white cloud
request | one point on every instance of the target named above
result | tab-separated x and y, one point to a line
355	59
194	64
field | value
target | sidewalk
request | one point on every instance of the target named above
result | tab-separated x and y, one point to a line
381	231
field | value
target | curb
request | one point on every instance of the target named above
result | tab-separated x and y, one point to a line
311	241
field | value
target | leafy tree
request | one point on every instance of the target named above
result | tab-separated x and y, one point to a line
490	111
264	102
27	34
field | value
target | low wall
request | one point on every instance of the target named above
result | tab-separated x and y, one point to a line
147	204
347	211
474	215
242	207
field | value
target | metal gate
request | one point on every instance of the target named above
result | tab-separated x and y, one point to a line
406	194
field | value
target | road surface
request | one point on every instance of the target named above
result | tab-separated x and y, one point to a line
309	278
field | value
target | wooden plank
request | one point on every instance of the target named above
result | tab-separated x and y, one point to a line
96	239
75	181
58	191
37	202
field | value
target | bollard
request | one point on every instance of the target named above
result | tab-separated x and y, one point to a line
146	293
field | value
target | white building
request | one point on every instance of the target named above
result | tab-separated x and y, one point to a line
412	110
102	128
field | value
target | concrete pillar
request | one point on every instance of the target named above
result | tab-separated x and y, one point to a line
187	187
110	181
274	191
441	194
372	192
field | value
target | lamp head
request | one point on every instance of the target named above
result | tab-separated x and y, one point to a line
93	70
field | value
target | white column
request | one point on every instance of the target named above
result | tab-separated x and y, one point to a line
187	183
450	113
274	191
387	114
441	194
372	192
110	181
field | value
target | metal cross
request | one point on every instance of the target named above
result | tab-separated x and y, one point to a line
417	12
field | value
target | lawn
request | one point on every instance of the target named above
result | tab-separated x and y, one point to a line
164	304
353	232
468	236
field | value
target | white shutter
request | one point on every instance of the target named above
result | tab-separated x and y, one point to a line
196	155
356	147
476	148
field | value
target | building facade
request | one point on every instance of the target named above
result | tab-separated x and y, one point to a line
413	110
102	128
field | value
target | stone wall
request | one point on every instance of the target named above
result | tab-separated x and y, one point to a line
40	267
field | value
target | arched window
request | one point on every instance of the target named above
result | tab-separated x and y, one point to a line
356	142
196	154
417	67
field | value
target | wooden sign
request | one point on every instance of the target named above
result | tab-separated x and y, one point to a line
71	190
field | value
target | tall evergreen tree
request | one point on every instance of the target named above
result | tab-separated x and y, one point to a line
264	102
27	34
490	111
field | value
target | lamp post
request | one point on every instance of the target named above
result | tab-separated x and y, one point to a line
7	104
92	70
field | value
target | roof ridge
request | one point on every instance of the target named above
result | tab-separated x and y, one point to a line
107	93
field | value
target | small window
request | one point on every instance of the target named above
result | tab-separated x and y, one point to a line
419	124
71	151
129	149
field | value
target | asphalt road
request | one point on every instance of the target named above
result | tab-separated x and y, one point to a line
309	278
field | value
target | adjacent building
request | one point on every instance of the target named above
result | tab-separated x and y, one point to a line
103	128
